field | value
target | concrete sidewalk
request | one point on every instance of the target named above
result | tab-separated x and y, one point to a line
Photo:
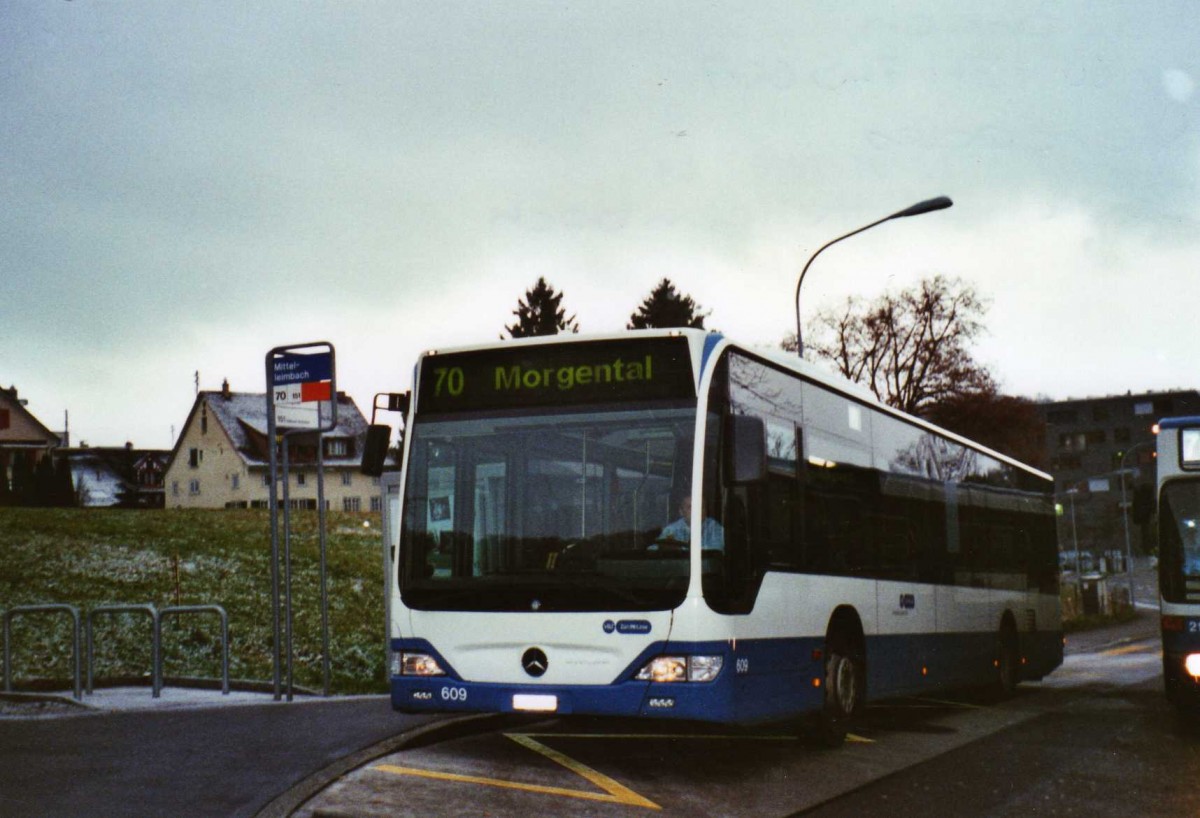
125	699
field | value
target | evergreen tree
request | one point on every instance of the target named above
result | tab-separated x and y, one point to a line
667	308
540	313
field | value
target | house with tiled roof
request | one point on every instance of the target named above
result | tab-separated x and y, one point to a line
105	477
222	458
24	442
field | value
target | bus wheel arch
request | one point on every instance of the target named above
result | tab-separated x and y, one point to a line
845	678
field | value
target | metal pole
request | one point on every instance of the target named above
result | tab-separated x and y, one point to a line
273	505
287	566
324	584
929	205
1125	521
386	528
1075	543
7	652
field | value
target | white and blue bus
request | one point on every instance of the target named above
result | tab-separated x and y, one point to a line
667	524
1178	466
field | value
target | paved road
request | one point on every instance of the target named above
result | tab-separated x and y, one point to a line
235	761
228	761
1058	747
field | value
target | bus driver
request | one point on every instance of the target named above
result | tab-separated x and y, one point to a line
712	535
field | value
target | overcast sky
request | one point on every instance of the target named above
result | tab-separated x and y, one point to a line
185	185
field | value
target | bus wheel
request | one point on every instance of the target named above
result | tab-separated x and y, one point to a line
844	684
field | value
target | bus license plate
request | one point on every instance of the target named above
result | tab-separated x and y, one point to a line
535	702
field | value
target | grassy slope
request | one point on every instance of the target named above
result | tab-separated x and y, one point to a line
90	557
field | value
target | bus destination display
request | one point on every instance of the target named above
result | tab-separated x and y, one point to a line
557	374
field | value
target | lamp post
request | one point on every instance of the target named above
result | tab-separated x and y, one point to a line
1125	517
1075	543
927	206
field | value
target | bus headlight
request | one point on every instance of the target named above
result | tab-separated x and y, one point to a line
415	664
704	668
1192	664
681	669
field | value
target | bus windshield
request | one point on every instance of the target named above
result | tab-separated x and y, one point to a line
1179	540
550	511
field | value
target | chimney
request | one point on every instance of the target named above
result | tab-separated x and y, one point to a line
225	393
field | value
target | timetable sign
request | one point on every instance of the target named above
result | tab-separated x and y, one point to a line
298	415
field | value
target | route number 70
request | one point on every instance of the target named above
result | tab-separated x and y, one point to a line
449	380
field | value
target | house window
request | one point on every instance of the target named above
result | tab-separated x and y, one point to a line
300	478
1061	417
234	481
175	487
351	504
267	479
1143	408
337	447
376	503
193	487
5	419
347	478
195	457
1072	442
204	421
1121	434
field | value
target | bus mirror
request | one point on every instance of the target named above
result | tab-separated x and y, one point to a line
747	449
376	449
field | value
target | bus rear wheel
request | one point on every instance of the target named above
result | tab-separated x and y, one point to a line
844	687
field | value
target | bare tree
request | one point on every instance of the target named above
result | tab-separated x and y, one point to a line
1010	425
910	348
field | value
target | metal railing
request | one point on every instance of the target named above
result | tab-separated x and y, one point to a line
186	609
156	618
155	649
11	613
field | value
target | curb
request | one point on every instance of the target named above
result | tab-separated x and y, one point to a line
288	802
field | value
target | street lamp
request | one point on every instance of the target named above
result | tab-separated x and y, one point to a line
940	203
1125	516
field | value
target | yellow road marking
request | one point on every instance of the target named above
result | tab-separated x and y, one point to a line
614	792
1129	649
620	793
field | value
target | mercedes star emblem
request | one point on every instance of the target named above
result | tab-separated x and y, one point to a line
534	662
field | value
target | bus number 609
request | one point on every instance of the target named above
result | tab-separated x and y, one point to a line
454	694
